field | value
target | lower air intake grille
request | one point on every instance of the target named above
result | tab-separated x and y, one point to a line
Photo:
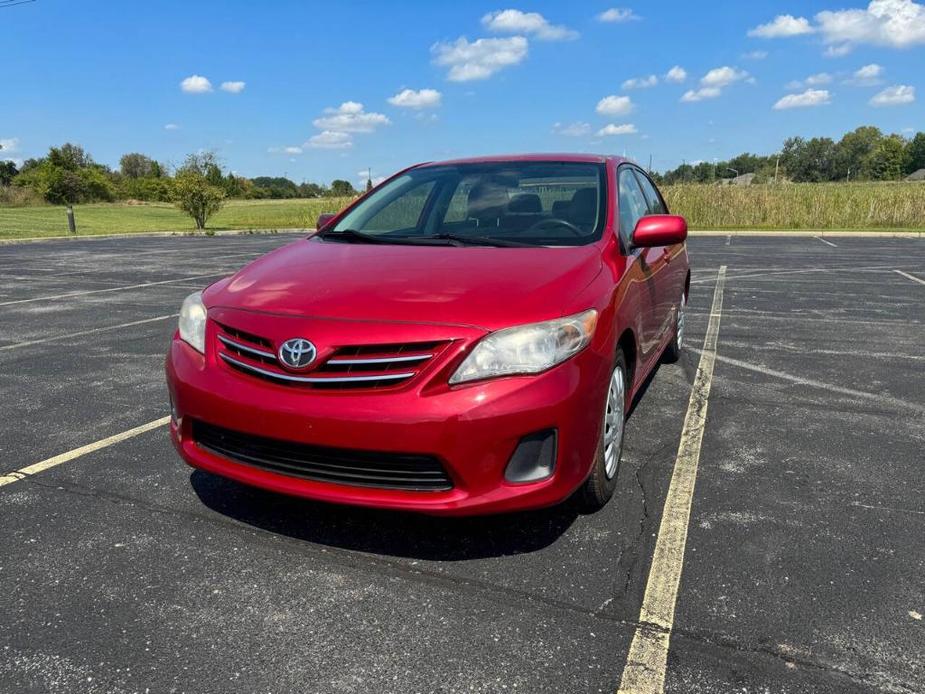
410	472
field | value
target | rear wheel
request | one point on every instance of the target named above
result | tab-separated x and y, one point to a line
673	350
602	481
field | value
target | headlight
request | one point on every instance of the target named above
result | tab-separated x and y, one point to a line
527	349
193	321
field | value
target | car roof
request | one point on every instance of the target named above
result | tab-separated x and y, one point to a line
548	157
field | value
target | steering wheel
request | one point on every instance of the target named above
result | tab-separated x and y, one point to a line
544	223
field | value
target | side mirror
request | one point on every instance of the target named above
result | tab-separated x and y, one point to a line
323	220
659	230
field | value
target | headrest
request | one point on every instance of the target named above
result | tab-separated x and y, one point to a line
526	203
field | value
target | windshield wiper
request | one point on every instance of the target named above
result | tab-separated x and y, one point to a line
480	241
352	236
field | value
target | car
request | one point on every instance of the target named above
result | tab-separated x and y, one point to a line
466	338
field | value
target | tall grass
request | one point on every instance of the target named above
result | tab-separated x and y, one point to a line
800	205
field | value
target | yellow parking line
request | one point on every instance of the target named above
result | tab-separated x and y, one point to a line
648	654
22	473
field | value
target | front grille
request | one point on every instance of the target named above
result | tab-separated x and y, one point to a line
405	471
349	367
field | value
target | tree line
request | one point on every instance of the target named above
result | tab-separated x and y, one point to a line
68	175
864	154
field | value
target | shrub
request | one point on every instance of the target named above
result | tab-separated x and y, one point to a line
193	194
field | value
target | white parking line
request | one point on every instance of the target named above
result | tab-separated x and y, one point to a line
819	238
111	289
903	405
43	340
910	277
35	468
648	654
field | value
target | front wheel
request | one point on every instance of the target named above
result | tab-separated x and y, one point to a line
602	481
673	350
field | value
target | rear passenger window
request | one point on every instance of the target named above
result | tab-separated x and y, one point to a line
632	202
655	203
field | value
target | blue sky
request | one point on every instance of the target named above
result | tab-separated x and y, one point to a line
327	81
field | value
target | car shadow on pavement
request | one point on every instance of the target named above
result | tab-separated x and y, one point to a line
390	533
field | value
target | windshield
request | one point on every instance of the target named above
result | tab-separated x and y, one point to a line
504	203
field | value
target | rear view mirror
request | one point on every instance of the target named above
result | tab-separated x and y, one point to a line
324	219
659	230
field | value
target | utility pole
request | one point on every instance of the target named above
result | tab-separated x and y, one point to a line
776	168
650	164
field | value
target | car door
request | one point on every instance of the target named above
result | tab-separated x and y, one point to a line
664	274
632	206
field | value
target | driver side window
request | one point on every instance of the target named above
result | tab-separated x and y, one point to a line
632	203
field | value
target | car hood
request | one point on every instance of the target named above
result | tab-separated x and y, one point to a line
484	287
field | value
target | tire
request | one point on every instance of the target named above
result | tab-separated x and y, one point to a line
601	483
673	351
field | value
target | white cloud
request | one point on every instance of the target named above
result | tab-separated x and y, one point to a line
363	176
701	94
233	87
755	55
617	15
285	150
899	95
808	99
171	126
614	106
782	26
576	129
893	23
818	80
9	144
196	84
837	51
677	74
722	77
613	129
641	82
533	23
867	76
422	98
350	117
479	59
713	83
329	139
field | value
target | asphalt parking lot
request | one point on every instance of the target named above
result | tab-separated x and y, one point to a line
122	570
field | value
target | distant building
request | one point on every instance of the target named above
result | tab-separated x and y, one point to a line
743	180
916	176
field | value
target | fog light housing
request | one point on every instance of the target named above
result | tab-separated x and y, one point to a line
534	459
174	415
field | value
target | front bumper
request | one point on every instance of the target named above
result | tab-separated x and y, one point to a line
473	430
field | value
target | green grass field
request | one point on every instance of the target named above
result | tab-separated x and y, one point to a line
104	218
803	206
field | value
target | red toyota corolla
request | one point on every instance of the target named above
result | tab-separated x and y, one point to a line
466	338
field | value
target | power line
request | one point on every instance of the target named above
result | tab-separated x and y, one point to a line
13	3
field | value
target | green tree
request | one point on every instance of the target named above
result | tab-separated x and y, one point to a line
70	157
136	165
194	195
915	153
808	161
341	188
8	171
887	161
852	152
